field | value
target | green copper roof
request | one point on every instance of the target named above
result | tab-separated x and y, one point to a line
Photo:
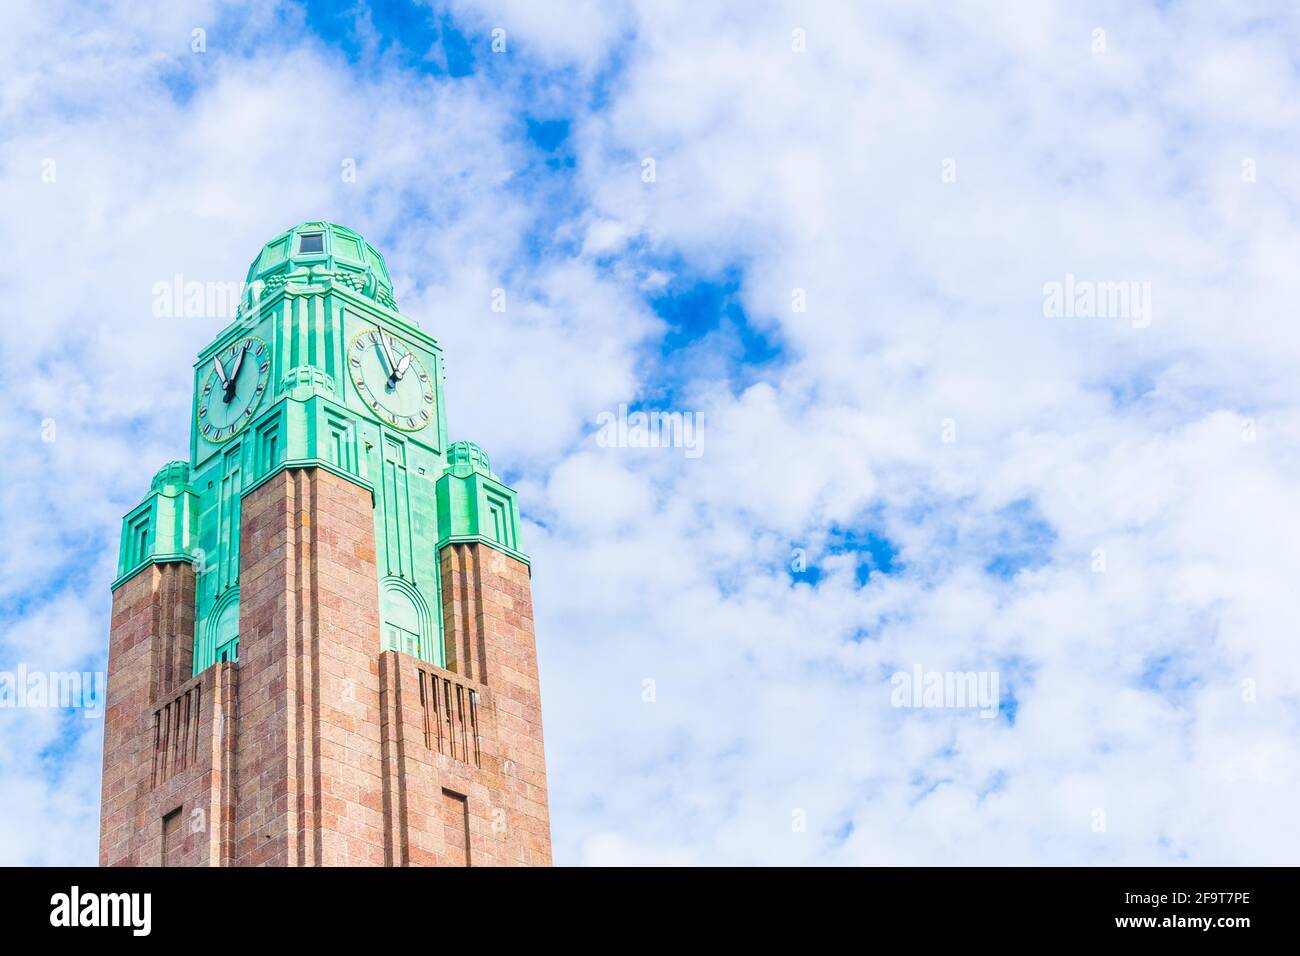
172	479
321	251
464	458
473	504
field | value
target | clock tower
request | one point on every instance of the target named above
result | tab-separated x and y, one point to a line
322	647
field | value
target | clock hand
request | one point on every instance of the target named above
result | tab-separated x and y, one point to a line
234	375
402	366
388	354
221	372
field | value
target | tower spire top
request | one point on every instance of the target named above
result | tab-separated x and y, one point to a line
314	251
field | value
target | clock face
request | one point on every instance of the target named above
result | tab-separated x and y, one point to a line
237	379
391	380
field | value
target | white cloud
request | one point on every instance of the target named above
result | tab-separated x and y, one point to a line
824	173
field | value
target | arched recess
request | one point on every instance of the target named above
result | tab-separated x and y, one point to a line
221	642
408	624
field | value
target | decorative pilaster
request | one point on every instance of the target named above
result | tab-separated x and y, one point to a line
309	752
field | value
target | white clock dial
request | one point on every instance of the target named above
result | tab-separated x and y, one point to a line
391	380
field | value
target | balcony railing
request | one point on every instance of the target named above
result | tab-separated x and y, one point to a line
176	728
450	716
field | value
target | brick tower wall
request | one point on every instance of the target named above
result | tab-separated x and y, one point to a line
488	612
166	741
317	748
308	758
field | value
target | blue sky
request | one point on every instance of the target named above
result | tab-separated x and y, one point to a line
840	264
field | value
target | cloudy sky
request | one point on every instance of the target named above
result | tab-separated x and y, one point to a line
833	232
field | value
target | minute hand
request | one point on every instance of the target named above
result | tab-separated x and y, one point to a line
388	354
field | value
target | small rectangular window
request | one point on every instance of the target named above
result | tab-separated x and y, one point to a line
172	838
311	242
455	823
